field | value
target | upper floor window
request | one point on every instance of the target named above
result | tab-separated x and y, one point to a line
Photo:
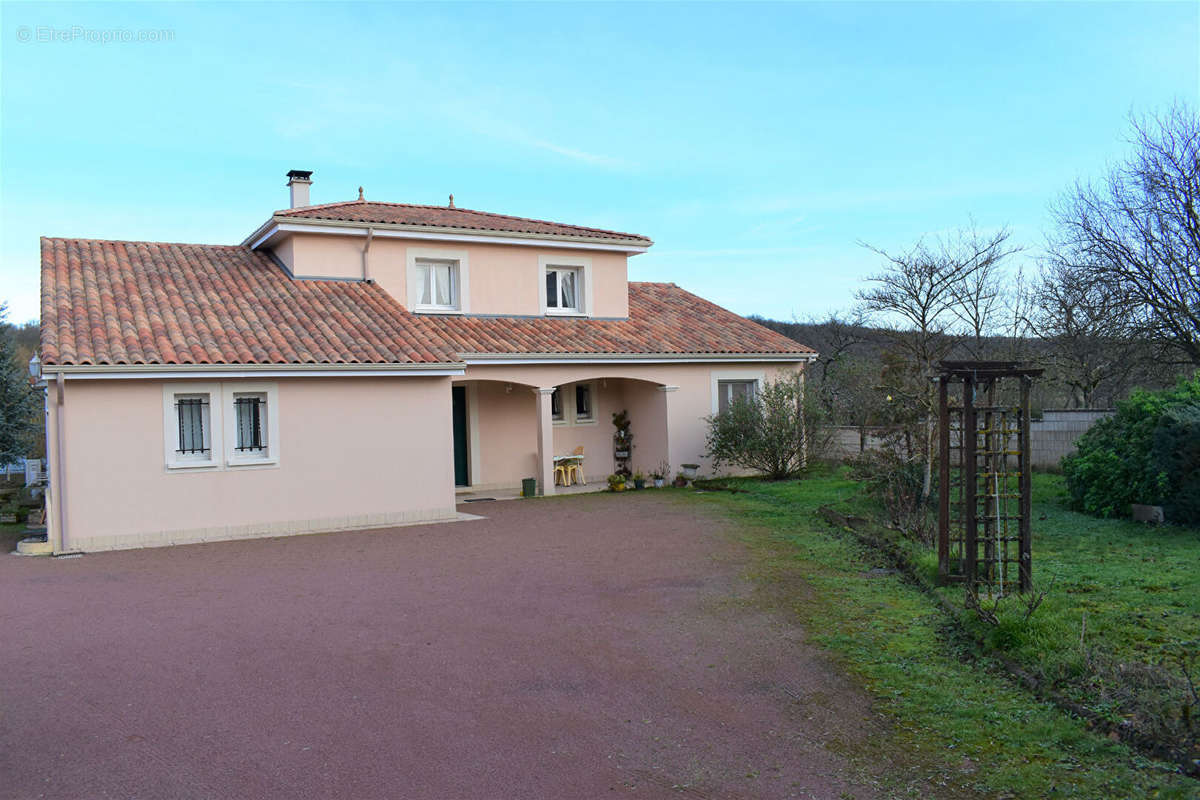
562	289
437	285
730	392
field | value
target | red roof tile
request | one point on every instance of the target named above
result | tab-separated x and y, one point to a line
113	303
662	319
152	303
454	218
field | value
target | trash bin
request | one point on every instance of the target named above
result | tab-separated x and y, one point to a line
529	487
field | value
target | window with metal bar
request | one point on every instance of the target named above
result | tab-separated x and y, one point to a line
583	401
192	413
250	414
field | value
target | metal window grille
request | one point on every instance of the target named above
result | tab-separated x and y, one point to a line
556	404
193	435
250	412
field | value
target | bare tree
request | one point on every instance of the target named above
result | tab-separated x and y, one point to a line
917	299
978	296
1137	233
1084	324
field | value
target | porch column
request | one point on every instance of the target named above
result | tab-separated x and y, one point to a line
665	392
545	440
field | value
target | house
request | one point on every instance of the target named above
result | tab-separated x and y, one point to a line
352	365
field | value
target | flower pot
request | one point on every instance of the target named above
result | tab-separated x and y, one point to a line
690	470
659	483
639	484
680	482
618	487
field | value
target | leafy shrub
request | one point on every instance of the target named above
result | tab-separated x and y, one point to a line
1176	455
1145	453
764	433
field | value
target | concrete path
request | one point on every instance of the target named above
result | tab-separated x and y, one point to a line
579	647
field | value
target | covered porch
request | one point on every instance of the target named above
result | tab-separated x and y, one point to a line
506	431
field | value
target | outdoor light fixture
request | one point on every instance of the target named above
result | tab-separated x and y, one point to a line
508	388
35	367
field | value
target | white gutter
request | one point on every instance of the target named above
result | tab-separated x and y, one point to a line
482	359
163	371
59	490
365	250
278	225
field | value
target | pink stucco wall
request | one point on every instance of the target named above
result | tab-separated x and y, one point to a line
351	450
668	425
502	279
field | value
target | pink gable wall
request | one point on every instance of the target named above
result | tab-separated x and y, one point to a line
503	279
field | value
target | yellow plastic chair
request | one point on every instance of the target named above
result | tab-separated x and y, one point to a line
575	467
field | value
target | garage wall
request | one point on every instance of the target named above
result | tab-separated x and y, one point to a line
353	453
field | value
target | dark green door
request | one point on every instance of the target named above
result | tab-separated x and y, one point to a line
458	396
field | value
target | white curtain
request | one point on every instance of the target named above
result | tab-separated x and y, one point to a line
423	285
567	281
445	296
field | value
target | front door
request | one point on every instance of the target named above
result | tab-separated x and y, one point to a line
458	396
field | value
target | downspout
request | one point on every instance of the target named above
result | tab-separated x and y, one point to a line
60	488
366	268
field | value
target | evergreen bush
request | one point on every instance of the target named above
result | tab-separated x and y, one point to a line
1145	453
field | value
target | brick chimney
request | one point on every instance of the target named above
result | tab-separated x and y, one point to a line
298	182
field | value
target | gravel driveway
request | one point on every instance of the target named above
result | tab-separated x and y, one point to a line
577	647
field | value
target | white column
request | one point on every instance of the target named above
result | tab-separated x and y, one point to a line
545	440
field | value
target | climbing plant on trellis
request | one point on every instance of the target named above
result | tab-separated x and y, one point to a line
985	487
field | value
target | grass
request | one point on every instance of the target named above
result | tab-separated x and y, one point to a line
1122	606
972	731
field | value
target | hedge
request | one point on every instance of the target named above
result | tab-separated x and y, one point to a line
1148	452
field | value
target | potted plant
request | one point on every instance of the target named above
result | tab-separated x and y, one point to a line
616	482
680	481
659	474
639	480
690	471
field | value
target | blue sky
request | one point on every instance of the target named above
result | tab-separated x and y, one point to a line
756	144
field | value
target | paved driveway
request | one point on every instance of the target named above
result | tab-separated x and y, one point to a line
580	647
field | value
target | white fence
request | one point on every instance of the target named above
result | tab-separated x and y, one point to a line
32	469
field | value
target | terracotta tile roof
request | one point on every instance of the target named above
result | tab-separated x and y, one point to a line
152	303
662	319
111	303
456	218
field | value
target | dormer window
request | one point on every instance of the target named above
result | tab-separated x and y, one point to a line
562	289
437	285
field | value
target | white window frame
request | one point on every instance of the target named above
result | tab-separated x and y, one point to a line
591	387
270	455
583	289
460	280
561	417
717	376
183	461
222	436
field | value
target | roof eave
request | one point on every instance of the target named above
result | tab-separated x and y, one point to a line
283	224
166	371
644	358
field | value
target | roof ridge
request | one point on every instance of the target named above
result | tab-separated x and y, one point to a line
141	241
289	212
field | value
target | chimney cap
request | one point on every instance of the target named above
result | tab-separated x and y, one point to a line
300	174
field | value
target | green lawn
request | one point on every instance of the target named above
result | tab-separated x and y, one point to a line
961	726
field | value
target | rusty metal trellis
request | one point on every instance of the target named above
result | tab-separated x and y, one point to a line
984	485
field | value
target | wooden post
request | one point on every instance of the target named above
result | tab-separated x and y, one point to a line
1026	461
970	479
943	481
